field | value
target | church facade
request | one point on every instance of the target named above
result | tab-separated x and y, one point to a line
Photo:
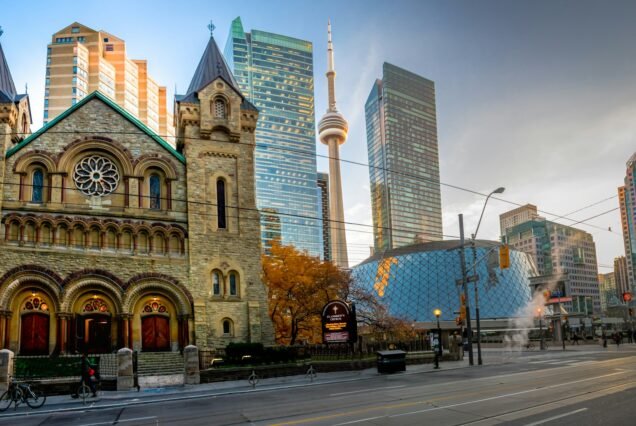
110	237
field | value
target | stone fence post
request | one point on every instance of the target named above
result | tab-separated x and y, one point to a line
125	374
6	369
191	365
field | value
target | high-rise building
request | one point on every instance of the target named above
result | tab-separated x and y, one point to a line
519	215
81	60
627	203
564	252
621	275
323	200
333	130
607	290
275	73
403	159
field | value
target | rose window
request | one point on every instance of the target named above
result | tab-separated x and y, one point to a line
96	175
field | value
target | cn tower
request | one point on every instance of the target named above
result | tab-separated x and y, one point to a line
332	131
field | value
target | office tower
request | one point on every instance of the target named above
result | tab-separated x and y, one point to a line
563	254
519	215
627	203
607	290
81	60
275	73
333	130
621	274
323	200
403	159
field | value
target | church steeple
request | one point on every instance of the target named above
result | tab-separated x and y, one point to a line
7	88
211	66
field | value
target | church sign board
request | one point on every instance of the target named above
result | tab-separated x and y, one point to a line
336	322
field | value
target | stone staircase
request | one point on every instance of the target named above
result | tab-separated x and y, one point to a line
157	369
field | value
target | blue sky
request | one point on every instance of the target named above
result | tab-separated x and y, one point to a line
536	96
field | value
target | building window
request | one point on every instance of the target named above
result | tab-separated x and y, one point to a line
46	103
220	203
233	284
46	114
216	283
38	186
227	327
75	30
220	110
155	192
47	81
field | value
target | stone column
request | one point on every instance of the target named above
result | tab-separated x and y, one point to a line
2	329
6	368
7	330
125	330
125	373
191	365
63	331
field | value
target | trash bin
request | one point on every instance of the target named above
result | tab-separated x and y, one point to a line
391	361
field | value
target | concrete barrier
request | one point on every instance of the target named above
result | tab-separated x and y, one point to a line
6	369
125	373
191	365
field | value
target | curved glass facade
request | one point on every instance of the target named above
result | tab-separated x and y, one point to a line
412	281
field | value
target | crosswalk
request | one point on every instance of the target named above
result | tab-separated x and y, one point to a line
564	362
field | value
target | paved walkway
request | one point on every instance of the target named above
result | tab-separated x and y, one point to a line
124	398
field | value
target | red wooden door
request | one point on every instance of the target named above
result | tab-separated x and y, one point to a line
155	331
34	334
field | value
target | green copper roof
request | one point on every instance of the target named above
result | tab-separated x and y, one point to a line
97	95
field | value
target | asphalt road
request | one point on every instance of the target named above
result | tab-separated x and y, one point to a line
556	389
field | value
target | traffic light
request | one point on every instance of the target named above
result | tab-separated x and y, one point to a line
462	307
504	256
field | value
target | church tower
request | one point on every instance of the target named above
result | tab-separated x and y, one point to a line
215	131
15	115
333	130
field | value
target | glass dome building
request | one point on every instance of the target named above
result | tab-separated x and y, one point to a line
414	280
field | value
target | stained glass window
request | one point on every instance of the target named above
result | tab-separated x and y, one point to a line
219	108
216	283
38	186
233	284
155	192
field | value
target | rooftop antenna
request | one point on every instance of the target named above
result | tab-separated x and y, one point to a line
211	27
26	88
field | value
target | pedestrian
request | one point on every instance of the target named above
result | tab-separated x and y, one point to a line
576	339
634	336
87	372
604	337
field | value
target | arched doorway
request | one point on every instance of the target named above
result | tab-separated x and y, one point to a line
34	327
93	327
155	327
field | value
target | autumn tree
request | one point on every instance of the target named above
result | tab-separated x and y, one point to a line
299	285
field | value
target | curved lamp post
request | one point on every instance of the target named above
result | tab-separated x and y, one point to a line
499	190
438	349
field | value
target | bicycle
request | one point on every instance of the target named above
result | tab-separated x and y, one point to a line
253	379
311	373
21	393
84	390
529	346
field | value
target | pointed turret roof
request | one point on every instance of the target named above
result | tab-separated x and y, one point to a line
7	88
211	66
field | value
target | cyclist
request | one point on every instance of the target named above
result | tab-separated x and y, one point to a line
87	374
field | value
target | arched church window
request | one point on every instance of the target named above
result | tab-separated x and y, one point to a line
96	176
154	307
220	109
233	284
216	283
95	305
220	204
37	194
35	304
155	192
227	327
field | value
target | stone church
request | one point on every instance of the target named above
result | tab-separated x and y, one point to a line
112	238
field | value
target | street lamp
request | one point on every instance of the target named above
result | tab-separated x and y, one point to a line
541	342
499	190
438	349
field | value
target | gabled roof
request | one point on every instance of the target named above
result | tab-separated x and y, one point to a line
105	99
211	66
7	88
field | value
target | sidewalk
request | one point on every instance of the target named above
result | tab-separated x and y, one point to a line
111	399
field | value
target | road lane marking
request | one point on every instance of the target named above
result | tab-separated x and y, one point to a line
411	404
112	422
549	419
366	390
359	421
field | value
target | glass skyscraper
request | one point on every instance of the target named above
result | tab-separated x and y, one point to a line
403	159
275	73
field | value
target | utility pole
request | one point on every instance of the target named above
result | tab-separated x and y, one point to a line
462	256
472	243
